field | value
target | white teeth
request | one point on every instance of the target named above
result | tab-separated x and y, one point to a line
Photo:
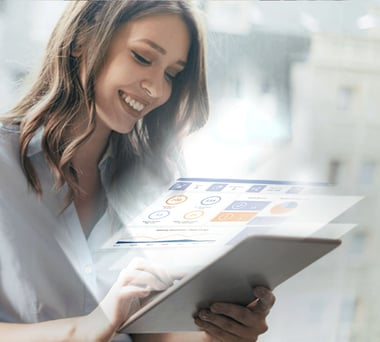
133	103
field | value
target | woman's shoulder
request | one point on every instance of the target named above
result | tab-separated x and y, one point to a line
9	142
9	127
9	130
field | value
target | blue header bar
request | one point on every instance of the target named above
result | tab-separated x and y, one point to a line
253	181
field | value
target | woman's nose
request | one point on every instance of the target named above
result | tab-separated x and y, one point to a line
154	86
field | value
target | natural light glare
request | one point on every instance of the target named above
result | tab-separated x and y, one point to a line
207	157
244	120
41	29
310	23
233	17
367	21
232	115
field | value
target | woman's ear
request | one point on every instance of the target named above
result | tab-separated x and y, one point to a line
76	51
78	46
80	40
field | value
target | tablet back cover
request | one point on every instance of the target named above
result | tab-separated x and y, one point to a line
257	260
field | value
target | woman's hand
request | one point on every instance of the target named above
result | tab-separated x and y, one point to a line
230	322
136	281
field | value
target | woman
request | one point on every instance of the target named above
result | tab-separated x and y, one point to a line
122	82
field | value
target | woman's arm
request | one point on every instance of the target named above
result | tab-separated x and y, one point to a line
99	326
135	281
69	329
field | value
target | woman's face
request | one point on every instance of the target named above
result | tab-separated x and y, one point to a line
144	57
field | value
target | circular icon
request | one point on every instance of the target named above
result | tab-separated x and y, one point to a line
211	200
177	199
193	215
159	214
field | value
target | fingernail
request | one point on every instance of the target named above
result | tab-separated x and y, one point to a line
216	306
260	292
161	287
203	314
255	302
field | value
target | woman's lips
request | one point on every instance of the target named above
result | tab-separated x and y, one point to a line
133	103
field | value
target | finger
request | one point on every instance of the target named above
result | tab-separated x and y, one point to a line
225	324
132	291
253	303
216	332
267	299
139	263
247	318
140	278
122	300
177	275
162	274
239	313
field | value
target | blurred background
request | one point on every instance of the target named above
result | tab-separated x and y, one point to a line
295	95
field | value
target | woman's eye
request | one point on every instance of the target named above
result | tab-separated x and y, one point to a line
140	59
170	77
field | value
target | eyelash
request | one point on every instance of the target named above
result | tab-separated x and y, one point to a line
140	59
169	77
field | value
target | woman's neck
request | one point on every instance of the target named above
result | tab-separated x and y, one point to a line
90	204
90	152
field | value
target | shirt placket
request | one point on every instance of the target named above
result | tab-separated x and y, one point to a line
81	257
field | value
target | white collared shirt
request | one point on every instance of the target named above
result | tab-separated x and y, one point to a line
47	266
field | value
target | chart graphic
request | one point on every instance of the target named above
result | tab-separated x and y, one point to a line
248	205
177	199
159	214
284	208
211	212
148	243
193	215
158	238
211	200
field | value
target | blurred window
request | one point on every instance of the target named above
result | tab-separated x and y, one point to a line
335	169
367	173
345	98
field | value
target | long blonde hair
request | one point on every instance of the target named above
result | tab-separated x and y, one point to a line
58	95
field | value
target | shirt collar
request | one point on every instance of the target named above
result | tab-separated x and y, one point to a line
35	146
53	199
109	153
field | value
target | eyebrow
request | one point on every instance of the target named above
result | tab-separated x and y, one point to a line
160	49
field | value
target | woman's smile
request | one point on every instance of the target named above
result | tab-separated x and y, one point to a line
135	104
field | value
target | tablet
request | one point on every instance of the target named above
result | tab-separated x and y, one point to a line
257	260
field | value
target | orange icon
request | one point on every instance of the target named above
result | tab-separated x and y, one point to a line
177	199
226	216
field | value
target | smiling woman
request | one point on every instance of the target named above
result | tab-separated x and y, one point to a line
97	135
142	63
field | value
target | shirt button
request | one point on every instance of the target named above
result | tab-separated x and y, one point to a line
87	269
